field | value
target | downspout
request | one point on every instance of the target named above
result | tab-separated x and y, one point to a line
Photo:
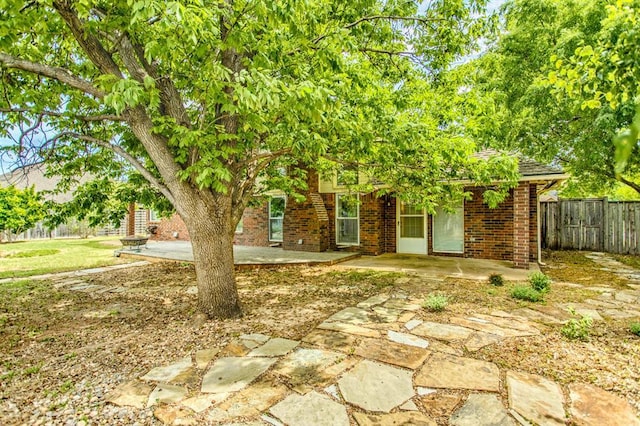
539	230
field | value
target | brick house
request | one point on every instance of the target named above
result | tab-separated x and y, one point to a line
330	220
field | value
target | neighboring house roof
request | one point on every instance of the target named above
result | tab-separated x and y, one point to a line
34	175
527	167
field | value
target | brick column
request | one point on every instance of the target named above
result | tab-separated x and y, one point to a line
131	220
521	226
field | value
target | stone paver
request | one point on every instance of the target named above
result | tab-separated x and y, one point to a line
234	373
172	415
480	339
376	387
487	326
406	418
440	331
312	409
392	353
349	328
251	401
536	315
204	357
482	410
438	404
454	372
331	340
403	304
168	372
134	394
410	325
203	402
591	405
167	394
308	365
536	398
275	347
354	316
373	301
407	339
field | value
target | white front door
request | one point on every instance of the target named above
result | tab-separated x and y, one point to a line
411	229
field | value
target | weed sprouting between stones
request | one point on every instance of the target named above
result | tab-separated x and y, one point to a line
577	329
540	282
525	292
436	302
496	280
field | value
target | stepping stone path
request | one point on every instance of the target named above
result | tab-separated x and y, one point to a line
378	363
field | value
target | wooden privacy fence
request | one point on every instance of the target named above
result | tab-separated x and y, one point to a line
591	224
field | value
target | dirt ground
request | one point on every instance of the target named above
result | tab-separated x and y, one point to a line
62	351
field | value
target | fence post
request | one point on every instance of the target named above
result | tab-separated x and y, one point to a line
605	225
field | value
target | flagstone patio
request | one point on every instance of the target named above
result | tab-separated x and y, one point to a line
378	364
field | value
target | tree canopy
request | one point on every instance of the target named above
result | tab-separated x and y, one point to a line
209	101
19	210
561	82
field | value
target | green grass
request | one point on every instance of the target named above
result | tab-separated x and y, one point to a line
524	292
24	259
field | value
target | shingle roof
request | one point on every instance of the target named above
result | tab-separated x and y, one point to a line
34	175
526	166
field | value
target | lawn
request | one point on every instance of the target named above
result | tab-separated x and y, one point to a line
27	258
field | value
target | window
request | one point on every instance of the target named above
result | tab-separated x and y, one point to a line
154	216
276	215
448	231
347	176
239	227
411	221
347	220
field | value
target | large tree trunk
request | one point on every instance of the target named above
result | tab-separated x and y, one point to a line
211	230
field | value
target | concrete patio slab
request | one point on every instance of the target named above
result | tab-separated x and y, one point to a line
244	256
438	266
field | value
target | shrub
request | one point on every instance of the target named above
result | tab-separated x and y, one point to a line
496	280
524	292
577	329
540	282
435	302
635	328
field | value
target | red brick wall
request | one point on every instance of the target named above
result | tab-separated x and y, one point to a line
306	222
376	220
533	223
372	230
521	228
255	227
488	233
390	225
168	227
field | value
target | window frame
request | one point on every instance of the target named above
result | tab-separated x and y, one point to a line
339	218
270	218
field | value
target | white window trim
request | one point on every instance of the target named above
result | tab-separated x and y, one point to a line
357	218
282	218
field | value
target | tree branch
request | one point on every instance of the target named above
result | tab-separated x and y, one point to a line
633	185
392	18
61	74
124	154
87	41
85	118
